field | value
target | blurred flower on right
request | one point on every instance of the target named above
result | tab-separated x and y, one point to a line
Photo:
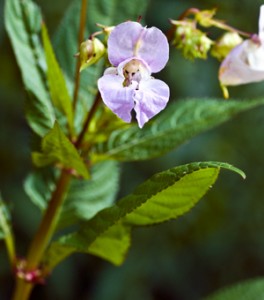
245	63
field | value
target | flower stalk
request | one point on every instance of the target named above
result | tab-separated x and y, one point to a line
80	40
88	120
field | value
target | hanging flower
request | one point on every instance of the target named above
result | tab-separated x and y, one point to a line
135	52
245	63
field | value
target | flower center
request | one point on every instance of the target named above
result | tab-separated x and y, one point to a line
131	72
134	71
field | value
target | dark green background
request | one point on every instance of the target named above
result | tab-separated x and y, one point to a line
219	242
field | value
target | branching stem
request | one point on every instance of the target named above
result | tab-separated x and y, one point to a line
49	222
43	236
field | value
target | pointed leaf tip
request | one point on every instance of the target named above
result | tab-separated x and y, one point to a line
229	167
165	196
57	85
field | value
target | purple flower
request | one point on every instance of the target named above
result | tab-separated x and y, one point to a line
245	63
135	52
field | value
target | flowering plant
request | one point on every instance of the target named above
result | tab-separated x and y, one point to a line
93	104
130	85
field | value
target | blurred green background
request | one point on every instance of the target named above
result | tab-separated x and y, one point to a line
218	243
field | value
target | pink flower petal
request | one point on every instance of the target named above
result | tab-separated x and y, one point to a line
245	63
150	99
236	68
154	49
130	39
117	97
122	41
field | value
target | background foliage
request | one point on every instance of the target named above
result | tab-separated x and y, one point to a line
218	243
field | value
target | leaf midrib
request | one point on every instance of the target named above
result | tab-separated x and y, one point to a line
149	138
126	212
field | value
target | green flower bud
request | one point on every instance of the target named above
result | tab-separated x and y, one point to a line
225	44
90	52
108	29
193	42
105	29
205	17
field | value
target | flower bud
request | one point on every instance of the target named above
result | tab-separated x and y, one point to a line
193	42
225	44
108	29
105	29
90	52
205	17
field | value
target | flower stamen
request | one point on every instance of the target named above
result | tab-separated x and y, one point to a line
131	72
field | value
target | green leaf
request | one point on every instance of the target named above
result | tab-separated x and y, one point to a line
66	45
57	85
177	124
166	195
23	24
39	186
116	237
56	148
248	290
84	199
175	198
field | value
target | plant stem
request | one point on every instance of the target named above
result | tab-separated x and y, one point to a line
49	222
187	12
216	23
88	120
80	40
8	235
223	26
23	289
43	236
10	245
